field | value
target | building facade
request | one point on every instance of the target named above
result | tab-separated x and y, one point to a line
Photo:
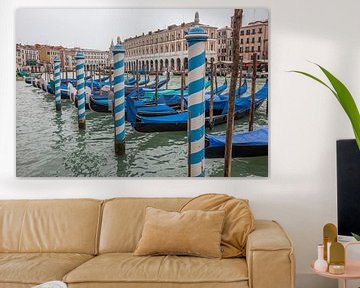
165	48
94	59
44	56
26	55
254	38
224	40
47	53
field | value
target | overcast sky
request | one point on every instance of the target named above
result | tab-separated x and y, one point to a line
94	28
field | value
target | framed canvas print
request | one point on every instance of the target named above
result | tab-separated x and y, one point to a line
142	92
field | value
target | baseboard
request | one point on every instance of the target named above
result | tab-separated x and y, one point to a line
310	280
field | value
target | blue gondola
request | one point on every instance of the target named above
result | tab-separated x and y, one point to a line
101	103
245	144
130	81
174	99
219	101
130	89
178	121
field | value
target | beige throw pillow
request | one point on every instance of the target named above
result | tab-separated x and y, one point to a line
195	233
238	223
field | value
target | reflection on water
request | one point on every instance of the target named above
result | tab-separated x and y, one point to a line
49	143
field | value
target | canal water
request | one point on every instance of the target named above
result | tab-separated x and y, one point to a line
49	144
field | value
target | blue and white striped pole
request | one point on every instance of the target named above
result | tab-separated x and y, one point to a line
80	87
119	98
196	39
57	83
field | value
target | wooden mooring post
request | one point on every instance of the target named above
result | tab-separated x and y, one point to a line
119	99
167	77
182	87
196	39
216	79
253	86
240	79
211	104
80	87
231	106
137	79
92	78
156	84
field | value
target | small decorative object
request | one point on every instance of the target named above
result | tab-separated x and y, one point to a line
330	236
337	258
320	264
336	269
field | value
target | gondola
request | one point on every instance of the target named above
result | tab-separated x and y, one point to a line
130	81
130	89
244	144
178	121
173	99
220	100
28	80
102	103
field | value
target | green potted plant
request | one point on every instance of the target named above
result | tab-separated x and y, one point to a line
346	100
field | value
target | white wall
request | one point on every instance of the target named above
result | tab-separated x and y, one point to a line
305	122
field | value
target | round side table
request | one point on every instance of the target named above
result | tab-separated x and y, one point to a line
352	269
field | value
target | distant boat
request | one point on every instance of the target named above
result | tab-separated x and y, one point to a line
28	80
244	144
178	121
152	85
130	81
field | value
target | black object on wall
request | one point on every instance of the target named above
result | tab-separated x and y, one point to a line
348	187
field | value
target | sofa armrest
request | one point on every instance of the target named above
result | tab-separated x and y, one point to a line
269	256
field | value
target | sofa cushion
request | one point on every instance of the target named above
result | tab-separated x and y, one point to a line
238	223
127	268
63	226
36	268
194	232
123	220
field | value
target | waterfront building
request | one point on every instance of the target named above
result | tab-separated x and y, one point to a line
254	37
94	59
48	53
224	40
165	48
26	56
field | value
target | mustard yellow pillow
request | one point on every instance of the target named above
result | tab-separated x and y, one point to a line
238	223
195	233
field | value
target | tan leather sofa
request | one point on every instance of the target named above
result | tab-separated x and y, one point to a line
89	243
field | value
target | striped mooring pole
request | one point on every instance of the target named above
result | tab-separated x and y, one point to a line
119	98
80	87
57	83
196	39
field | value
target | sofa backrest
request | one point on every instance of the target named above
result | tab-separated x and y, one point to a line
123	220
64	226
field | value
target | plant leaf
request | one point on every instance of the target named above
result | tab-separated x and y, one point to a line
344	97
347	102
357	237
316	79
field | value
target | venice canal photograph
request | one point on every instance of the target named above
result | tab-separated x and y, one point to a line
142	92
